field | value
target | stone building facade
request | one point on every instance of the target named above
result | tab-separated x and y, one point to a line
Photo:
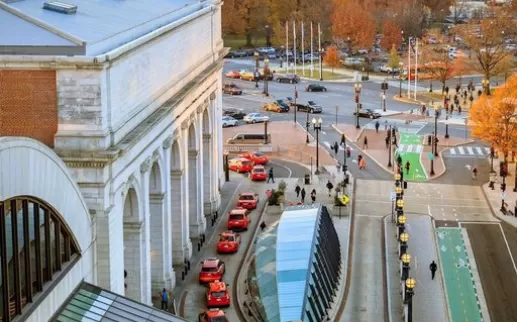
125	116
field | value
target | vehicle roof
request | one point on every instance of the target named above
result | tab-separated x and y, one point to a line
240	159
210	262
213	313
217	286
258	167
247	194
238	211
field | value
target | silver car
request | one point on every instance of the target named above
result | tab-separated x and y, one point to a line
256	118
228	121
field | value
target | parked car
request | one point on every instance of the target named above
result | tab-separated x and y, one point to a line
248	200
368	113
255	118
229	121
291	79
238	219
315	88
388	69
231	89
248	75
289	100
240	165
258	173
236	113
257	158
276	107
213	315
233	74
310	108
237	53
212	269
229	242
217	295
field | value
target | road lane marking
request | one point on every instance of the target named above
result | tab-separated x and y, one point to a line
429	211
452	151
508	248
479	150
462	151
470	150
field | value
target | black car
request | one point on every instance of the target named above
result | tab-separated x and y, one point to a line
237	53
310	107
289	100
315	88
292	79
284	105
234	112
368	113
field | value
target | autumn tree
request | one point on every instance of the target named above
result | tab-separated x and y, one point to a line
494	118
244	17
350	20
332	57
392	35
409	16
439	66
488	46
394	60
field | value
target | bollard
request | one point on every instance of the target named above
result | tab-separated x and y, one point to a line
216	215
204	238
213	221
198	247
188	265
182	275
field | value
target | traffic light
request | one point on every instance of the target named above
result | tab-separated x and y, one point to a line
296	94
502	169
393	132
356	98
360	106
503	186
384	86
492	152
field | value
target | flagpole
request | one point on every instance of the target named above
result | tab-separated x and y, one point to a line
303	51
319	51
409	68
294	49
312	55
416	66
287	47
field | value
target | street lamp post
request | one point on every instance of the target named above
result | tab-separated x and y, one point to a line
357	88
266	75
307	127
345	168
226	168
321	65
485	82
316	124
410	286
389	149
406	260
446	126
266	141
401	66
435	143
404	237
492	156
296	106
256	55
401	221
384	87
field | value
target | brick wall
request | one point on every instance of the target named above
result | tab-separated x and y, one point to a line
28	104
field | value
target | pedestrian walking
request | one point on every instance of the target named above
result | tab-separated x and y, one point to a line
399	161
433	267
407	167
165	299
377	125
474	173
395	142
297	190
459	109
385	125
365	143
348	152
329	186
343	139
362	164
387	140
313	195
336	148
359	158
270	176
303	195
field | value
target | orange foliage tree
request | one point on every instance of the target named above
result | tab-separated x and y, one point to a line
350	20
392	35
494	118
440	66
332	57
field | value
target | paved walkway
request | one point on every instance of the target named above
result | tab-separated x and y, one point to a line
462	297
410	149
495	197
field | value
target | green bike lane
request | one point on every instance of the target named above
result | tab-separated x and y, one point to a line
410	148
462	296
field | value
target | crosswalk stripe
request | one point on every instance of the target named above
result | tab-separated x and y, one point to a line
453	151
410	148
460	149
471	151
487	150
327	144
419	148
479	150
401	148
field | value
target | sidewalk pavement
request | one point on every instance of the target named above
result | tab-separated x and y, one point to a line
429	301
288	142
423	97
495	197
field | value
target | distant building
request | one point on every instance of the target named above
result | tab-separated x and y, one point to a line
110	146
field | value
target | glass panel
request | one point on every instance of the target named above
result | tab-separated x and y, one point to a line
62	247
21	251
9	243
52	246
32	238
42	244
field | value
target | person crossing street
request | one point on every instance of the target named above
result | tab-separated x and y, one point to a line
336	148
407	166
433	267
330	186
270	176
297	190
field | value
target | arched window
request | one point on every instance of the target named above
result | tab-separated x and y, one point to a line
35	246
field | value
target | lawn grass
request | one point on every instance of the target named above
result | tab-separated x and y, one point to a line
238	42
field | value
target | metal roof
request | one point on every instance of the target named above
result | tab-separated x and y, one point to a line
97	21
294	244
90	303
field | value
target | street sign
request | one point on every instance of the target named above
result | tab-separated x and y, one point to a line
344	199
430	155
393	196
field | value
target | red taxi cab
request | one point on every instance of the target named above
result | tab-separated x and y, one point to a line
240	165
233	74
248	200
238	219
212	269
257	158
217	294
258	173
228	242
213	315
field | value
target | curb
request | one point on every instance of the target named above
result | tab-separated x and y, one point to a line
386	265
442	278
436	176
340	132
408	101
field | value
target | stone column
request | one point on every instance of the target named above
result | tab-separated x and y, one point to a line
182	247
134	260
109	246
208	175
217	147
169	278
145	168
197	222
